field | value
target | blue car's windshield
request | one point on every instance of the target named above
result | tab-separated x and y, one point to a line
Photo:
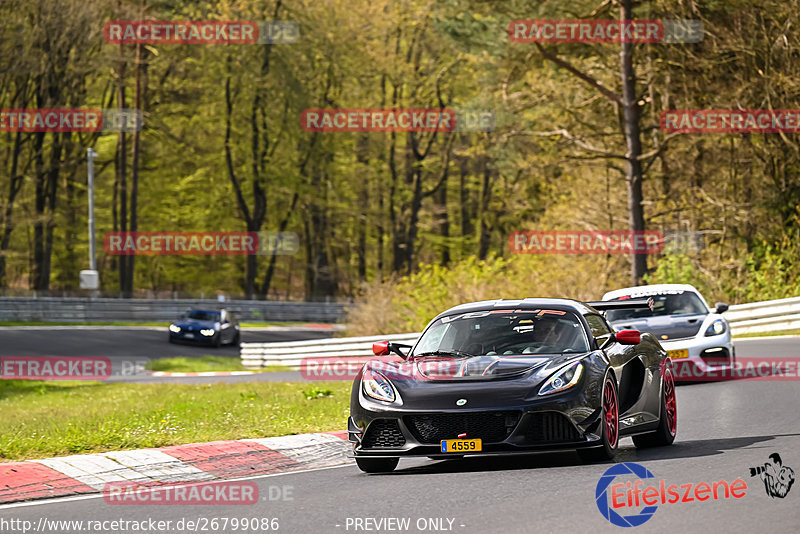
504	332
201	315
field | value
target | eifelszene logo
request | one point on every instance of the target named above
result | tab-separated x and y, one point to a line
778	478
627	496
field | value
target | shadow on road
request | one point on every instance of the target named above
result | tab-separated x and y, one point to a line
681	449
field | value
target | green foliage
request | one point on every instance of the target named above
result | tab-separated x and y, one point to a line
407	304
773	271
676	269
366	206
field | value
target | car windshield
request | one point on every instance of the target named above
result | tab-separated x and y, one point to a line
201	315
503	332
672	303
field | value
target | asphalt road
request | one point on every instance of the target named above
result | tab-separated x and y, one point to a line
129	348
724	429
129	342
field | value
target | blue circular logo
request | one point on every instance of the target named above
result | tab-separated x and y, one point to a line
601	495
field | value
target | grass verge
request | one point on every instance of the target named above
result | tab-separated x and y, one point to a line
42	419
206	363
196	365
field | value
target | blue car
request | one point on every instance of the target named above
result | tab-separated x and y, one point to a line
204	326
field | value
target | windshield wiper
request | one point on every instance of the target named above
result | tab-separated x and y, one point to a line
451	353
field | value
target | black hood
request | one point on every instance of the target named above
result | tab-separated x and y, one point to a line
432	383
450	370
671	326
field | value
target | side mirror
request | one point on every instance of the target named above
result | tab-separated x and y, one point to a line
628	337
384	348
721	307
380	348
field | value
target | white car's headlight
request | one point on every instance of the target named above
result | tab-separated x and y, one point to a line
207	331
716	328
174	328
377	386
564	378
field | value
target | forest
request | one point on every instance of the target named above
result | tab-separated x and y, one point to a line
411	220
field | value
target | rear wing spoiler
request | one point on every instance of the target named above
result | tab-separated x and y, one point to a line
626	304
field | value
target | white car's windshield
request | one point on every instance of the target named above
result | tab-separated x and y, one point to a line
673	303
504	332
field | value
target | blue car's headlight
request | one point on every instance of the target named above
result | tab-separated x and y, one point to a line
716	328
174	328
207	331
377	386
564	378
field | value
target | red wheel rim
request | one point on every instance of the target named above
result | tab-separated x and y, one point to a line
610	413
669	402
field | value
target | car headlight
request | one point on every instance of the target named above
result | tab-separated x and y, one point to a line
563	379
377	386
716	328
174	328
207	331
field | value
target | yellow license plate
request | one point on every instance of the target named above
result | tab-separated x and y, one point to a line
461	445
678	354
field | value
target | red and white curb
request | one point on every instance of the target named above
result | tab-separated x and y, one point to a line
197	462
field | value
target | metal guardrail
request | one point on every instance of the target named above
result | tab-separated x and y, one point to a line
106	309
767	316
292	353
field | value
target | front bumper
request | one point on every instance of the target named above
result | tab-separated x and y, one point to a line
569	420
197	337
706	353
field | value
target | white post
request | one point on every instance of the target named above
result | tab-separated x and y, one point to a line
89	279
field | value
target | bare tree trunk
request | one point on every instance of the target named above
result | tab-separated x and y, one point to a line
633	166
14	185
486	194
121	178
141	73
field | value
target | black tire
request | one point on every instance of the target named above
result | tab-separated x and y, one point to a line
171	339
237	338
667	423
218	340
377	465
609	426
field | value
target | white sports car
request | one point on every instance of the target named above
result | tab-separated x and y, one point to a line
688	329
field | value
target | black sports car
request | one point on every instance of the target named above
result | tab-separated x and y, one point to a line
206	326
514	376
